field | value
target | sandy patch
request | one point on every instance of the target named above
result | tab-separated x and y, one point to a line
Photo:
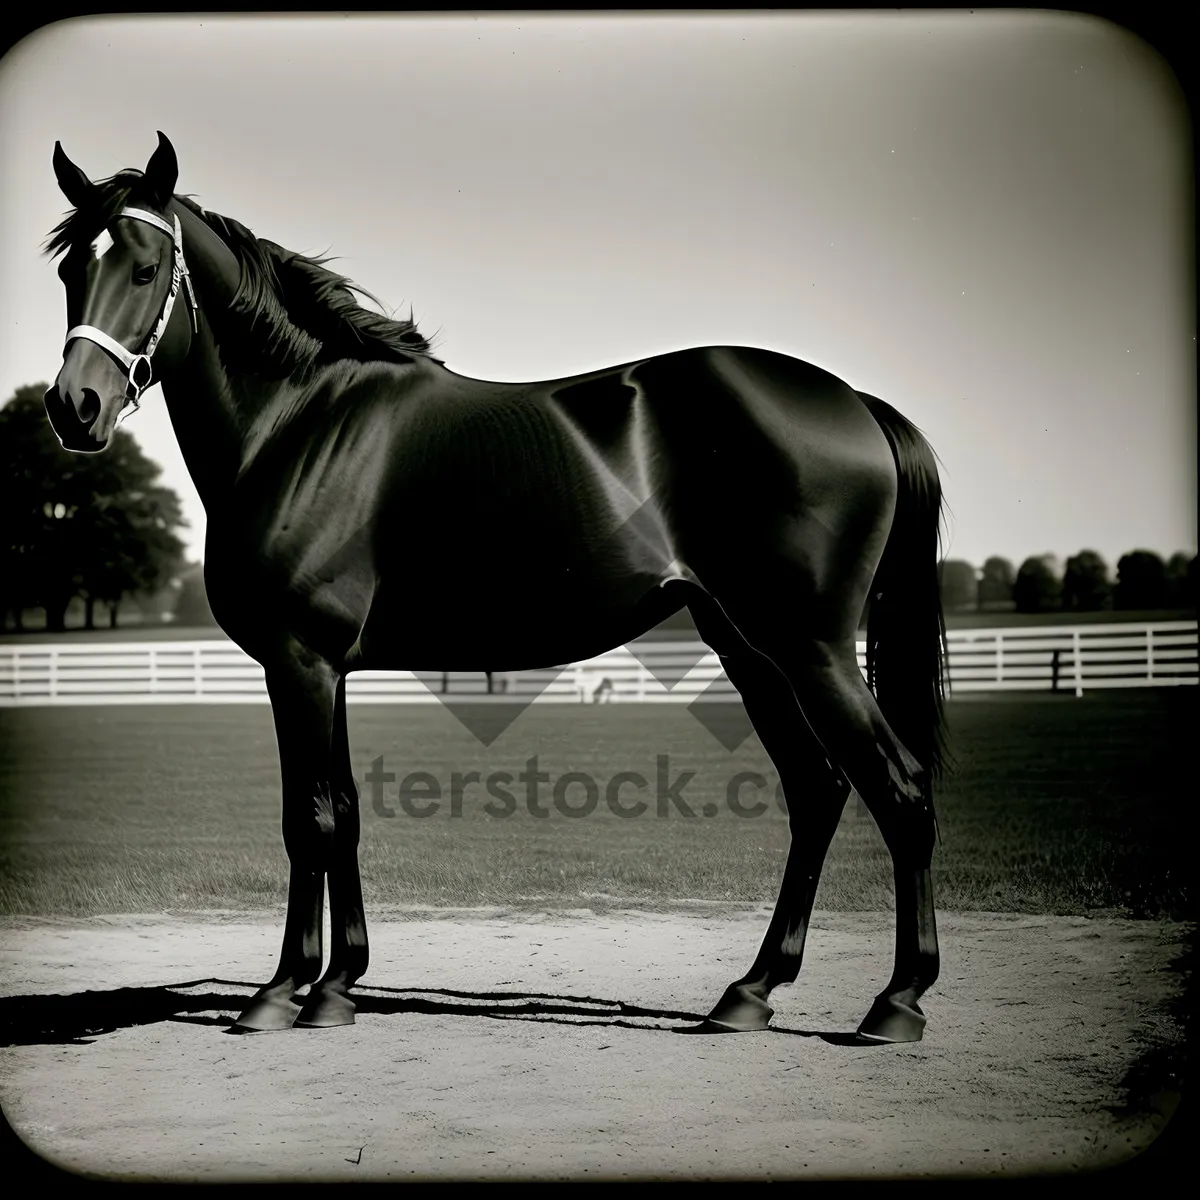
559	1057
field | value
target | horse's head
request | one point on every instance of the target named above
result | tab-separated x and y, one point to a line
123	270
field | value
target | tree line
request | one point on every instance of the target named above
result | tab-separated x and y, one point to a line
1143	582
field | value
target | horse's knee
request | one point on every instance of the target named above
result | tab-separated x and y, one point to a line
347	825
309	826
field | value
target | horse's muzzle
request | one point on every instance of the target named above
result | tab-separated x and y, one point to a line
76	427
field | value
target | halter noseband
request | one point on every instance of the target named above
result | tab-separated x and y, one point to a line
134	363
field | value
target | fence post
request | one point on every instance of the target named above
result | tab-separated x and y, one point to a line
16	671
1149	652
999	658
1076	652
1054	664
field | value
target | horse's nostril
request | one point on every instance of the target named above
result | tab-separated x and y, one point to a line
89	407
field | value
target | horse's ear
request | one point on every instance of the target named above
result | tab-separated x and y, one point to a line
76	186
162	171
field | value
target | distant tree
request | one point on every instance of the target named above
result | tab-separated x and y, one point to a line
996	584
1141	581
97	526
192	607
960	587
1038	586
158	606
42	490
1086	586
1181	581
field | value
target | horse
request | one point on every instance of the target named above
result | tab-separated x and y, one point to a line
347	473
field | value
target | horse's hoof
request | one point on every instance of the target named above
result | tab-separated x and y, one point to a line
740	1011
325	1010
269	1013
890	1020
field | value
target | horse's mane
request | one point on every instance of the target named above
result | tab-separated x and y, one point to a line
291	312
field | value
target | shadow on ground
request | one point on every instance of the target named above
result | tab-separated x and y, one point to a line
79	1018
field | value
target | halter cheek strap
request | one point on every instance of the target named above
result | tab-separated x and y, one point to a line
137	366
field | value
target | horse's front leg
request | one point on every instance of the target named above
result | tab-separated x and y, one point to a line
329	1003
302	690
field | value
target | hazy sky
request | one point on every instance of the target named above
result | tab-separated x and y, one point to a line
984	219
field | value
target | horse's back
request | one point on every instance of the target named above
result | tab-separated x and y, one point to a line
722	398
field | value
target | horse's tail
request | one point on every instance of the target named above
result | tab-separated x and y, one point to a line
906	629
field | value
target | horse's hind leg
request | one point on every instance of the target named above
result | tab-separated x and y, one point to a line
815	795
328	1002
825	677
898	792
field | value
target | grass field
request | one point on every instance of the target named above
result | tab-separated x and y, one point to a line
1057	805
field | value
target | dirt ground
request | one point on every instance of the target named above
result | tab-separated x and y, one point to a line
507	1045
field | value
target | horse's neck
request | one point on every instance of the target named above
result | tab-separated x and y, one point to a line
210	411
203	412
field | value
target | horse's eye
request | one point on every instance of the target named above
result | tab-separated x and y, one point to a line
145	274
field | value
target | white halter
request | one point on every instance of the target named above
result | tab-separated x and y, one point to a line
179	273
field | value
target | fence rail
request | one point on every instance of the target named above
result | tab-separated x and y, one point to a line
1068	659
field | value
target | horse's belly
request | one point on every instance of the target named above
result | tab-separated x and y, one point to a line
513	623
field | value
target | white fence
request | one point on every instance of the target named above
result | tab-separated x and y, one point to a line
1068	659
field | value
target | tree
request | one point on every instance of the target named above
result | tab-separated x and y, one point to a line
42	490
960	587
1086	586
1038	586
192	606
97	526
1141	581
996	583
1181	581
